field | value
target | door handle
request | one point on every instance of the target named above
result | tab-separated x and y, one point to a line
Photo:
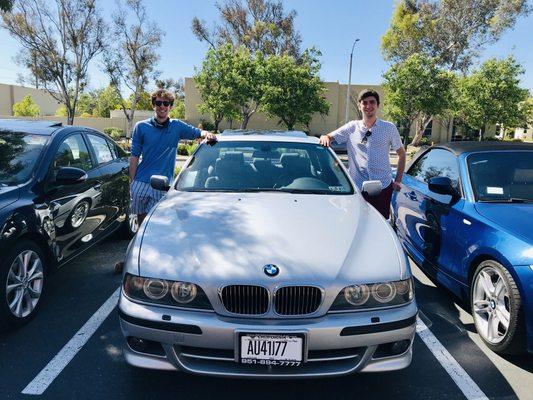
97	185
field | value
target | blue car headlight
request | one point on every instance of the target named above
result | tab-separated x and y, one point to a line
374	295
165	292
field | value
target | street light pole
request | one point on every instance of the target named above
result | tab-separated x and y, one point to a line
349	82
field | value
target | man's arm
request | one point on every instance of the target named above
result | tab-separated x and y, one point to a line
340	135
134	162
399	170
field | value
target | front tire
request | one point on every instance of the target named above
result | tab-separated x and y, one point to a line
497	308
22	283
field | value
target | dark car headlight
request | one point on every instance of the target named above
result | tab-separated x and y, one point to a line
165	292
381	294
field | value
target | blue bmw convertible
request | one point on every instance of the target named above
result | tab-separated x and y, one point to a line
465	216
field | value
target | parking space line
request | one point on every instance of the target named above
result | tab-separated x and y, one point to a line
466	384
47	375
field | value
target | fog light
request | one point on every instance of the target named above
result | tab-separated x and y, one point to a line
145	346
392	349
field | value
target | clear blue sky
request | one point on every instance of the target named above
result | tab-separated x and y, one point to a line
331	26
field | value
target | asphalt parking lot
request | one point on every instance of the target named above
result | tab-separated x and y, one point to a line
50	354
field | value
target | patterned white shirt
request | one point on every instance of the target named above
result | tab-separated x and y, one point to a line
370	160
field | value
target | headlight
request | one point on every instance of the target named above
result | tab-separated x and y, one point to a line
381	294
164	292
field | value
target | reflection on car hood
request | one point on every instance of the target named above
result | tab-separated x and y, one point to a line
229	237
8	195
515	218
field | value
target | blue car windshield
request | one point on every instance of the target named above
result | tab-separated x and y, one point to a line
19	153
502	176
259	166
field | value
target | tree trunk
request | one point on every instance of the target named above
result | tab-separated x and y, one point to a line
70	115
245	120
217	122
421	126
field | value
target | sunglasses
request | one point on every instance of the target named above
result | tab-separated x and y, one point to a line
165	103
367	135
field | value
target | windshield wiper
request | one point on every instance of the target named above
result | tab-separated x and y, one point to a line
509	200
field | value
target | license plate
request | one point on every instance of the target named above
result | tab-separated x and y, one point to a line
271	349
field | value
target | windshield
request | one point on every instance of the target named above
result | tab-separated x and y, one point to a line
18	155
245	166
504	176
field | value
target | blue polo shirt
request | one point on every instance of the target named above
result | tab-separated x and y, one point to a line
157	143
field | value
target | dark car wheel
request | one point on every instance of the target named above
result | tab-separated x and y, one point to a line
497	308
22	278
131	225
79	214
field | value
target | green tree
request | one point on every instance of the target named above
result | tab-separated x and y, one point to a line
58	44
452	31
26	108
260	25
416	90
178	110
491	95
293	91
215	83
131	63
106	100
144	101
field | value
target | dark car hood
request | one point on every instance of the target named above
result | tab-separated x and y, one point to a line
514	218
8	195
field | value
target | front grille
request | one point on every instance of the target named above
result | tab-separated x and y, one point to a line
245	299
297	300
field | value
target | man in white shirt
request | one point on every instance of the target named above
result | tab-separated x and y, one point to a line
368	142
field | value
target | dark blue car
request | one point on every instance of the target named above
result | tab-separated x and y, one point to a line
465	216
62	189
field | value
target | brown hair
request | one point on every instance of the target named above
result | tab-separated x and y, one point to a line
163	94
363	94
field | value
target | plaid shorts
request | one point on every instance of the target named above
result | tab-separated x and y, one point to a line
143	197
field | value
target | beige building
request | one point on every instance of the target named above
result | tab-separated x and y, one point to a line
11	94
335	94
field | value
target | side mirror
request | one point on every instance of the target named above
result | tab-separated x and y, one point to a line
371	188
70	176
159	182
442	185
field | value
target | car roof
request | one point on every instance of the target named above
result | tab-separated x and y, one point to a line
468	147
30	126
267	138
259	132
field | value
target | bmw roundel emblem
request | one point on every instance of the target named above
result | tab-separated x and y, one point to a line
271	270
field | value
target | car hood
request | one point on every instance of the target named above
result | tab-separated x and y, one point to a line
516	218
8	195
229	237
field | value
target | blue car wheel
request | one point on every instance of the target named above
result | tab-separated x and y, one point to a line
497	308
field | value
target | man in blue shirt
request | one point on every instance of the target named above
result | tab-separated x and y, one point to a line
154	143
156	140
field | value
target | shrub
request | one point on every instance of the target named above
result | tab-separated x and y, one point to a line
86	115
115	133
491	139
26	108
177	171
186	149
206	125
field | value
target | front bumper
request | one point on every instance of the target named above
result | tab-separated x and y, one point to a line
207	343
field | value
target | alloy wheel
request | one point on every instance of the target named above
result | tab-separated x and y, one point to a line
24	283
491	305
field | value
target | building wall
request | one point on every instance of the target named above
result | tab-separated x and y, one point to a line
11	94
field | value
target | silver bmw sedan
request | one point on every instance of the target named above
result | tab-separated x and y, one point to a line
264	260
